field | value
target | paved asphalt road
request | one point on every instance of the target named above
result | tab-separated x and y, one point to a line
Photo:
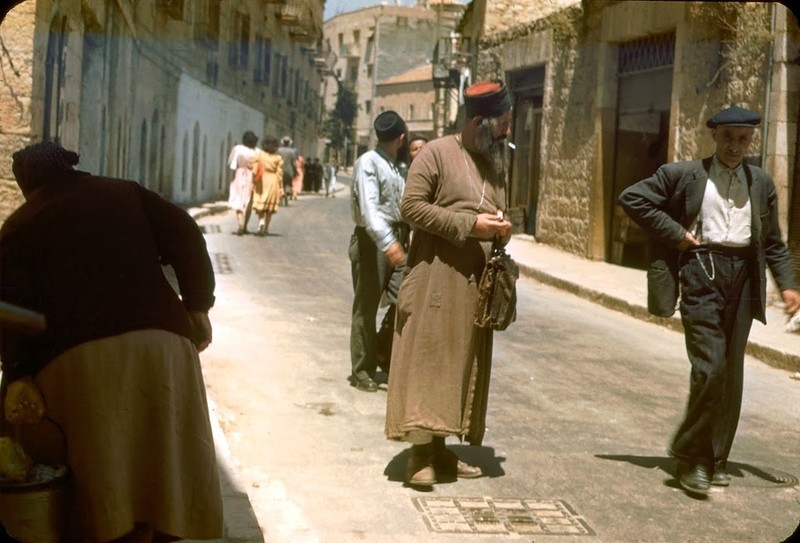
583	404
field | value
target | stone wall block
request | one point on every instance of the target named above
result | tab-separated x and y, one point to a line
10	198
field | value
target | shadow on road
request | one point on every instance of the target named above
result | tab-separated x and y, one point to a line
734	469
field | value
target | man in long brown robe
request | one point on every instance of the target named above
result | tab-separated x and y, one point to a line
441	361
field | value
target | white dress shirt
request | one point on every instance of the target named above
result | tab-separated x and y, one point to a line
725	214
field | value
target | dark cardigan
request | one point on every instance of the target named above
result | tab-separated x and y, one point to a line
87	252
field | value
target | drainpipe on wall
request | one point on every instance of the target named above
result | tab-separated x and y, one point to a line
373	113
793	233
793	219
770	64
793	214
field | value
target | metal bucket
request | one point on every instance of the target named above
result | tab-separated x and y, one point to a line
34	512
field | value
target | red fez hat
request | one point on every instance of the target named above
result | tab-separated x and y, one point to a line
487	99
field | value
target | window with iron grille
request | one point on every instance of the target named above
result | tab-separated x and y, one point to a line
244	42
266	61
646	54
239	45
213	20
284	76
257	76
173	8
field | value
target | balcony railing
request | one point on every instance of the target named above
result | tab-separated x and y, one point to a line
291	12
350	50
302	18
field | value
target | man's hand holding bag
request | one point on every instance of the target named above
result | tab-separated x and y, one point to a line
497	291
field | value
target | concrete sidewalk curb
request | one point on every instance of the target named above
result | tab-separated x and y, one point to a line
601	298
241	524
756	347
211	208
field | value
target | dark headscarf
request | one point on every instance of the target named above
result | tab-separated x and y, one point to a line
41	163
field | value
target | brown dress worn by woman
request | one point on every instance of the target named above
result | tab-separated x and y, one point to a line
268	184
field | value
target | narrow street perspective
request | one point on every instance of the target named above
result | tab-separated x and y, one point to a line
399	271
582	406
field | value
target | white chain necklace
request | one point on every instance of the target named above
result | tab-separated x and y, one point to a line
469	175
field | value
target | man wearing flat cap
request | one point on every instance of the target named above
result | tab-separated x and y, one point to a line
455	198
715	227
376	245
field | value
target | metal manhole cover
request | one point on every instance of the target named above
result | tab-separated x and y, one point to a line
501	516
751	476
221	263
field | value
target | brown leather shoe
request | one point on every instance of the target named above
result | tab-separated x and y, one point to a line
468	471
419	470
424	477
448	463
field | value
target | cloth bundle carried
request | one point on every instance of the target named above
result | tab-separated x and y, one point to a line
497	291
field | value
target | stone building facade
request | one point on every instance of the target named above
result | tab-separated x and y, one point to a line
411	95
158	90
604	92
371	45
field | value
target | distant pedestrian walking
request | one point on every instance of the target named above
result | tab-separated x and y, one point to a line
315	183
289	156
330	179
241	189
715	228
297	180
268	183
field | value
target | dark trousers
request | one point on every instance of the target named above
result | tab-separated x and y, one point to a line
287	188
370	271
716	313
386	331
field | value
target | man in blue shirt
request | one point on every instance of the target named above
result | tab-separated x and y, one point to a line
376	245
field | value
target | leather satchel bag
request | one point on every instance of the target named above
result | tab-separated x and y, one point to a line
497	291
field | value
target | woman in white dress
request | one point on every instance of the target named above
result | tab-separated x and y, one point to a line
241	192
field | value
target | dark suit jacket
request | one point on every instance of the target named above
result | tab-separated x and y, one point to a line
668	202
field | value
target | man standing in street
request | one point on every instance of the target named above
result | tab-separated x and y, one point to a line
376	245
386	330
441	361
715	224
